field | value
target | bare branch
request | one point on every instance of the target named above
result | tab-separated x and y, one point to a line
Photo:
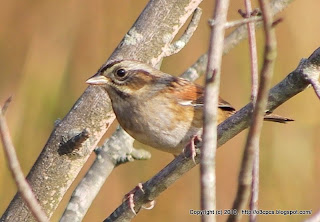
238	22
15	169
197	69
184	39
253	53
211	100
293	84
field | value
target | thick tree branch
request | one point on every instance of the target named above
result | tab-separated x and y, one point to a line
293	84
52	174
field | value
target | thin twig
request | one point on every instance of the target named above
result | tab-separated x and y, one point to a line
211	100
255	184
184	39
231	24
241	32
253	53
245	176
15	169
254	92
236	36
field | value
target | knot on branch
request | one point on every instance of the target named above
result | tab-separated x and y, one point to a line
72	145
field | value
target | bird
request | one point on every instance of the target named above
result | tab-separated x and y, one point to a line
156	108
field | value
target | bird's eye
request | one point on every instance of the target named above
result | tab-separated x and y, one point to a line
121	73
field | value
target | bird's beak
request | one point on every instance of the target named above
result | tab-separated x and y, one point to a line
97	80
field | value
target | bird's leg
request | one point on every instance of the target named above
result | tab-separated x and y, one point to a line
191	148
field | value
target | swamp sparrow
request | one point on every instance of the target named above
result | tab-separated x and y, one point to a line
155	108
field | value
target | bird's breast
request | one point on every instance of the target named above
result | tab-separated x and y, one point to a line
161	125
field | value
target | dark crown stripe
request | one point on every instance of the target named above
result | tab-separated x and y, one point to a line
109	65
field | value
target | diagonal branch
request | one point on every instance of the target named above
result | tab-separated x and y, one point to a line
293	84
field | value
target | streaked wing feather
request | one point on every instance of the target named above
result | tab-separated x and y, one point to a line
193	94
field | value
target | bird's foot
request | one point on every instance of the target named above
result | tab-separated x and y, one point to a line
129	196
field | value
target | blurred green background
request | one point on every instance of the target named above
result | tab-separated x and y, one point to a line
49	48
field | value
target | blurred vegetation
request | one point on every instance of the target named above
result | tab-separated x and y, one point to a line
49	48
